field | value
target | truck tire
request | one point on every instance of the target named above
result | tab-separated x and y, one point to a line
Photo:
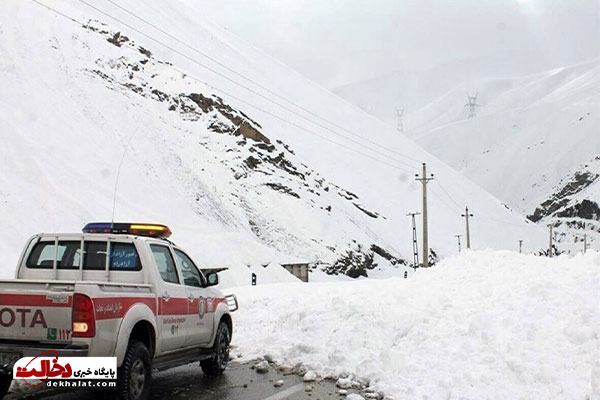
220	352
5	381
134	378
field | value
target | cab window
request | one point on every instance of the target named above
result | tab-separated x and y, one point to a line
191	275
165	263
124	256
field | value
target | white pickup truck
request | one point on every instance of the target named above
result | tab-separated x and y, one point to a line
116	290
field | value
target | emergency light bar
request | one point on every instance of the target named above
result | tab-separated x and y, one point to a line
152	230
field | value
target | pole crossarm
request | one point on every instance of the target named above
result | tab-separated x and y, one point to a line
466	216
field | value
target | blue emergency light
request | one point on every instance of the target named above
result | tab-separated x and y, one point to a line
126	228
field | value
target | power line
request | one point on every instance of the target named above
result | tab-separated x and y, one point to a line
479	216
442	200
504	222
448	194
226	67
254	91
264	110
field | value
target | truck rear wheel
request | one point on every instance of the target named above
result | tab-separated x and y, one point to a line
5	381
135	375
220	352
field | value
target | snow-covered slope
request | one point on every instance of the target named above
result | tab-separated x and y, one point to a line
507	98
412	90
240	179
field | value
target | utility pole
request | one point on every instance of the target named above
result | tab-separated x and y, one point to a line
520	246
415	244
585	243
551	239
400	116
467	215
424	181
458	237
472	104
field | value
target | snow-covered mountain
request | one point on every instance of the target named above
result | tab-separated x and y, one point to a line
246	160
543	126
412	90
573	208
532	142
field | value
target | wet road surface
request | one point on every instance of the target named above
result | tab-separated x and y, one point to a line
239	382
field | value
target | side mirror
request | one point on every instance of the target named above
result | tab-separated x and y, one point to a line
212	279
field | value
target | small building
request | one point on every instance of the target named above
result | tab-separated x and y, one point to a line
298	269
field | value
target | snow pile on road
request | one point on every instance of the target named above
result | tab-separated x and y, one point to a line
240	275
483	325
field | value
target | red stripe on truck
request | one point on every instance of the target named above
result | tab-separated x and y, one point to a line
172	306
210	305
38	300
117	307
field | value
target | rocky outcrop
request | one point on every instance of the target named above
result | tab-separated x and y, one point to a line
562	204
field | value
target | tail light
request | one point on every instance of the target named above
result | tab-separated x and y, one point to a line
84	319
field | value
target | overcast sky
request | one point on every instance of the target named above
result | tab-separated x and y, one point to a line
340	41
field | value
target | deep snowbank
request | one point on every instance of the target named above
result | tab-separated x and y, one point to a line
484	325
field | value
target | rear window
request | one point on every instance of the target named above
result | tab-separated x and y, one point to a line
124	256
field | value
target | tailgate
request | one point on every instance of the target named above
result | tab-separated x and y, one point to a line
36	311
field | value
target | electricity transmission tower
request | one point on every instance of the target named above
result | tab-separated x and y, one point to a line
415	244
466	215
400	116
586	246
458	237
551	226
425	180
472	104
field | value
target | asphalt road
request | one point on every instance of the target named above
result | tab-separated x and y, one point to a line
239	382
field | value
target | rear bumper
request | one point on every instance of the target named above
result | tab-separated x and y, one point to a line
32	350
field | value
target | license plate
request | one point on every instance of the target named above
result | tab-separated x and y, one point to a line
9	358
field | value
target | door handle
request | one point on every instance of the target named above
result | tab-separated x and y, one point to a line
166	296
